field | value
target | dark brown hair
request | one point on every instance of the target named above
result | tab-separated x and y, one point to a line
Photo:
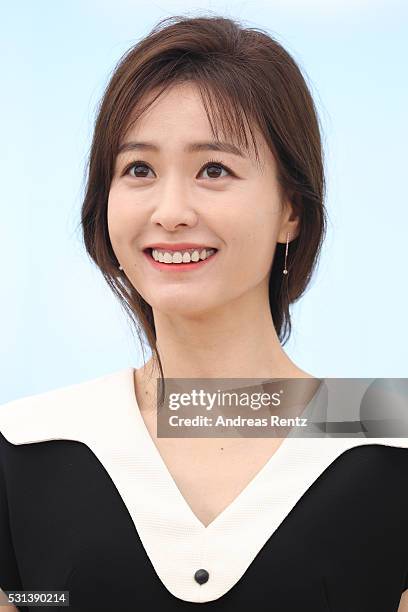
245	78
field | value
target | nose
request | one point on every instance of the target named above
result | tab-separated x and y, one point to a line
173	209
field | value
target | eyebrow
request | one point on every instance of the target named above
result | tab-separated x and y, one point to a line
192	147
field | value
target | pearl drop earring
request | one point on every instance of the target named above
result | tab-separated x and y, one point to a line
120	267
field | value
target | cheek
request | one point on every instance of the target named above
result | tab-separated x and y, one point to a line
121	216
264	228
253	241
114	218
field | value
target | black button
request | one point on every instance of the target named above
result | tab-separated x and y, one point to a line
201	576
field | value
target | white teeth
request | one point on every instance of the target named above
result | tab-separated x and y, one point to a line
181	256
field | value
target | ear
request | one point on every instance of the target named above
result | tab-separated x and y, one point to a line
290	220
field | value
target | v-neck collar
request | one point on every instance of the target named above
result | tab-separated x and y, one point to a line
314	411
103	414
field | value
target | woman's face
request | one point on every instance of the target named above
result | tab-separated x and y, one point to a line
169	196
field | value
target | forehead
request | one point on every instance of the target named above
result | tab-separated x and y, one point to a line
177	108
178	117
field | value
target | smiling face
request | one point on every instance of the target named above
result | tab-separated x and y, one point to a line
212	198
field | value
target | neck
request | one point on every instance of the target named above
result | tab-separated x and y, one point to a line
237	340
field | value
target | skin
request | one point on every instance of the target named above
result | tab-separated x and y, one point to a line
198	314
403	605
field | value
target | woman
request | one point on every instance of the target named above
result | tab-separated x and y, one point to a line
204	212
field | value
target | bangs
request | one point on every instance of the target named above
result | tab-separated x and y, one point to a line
229	117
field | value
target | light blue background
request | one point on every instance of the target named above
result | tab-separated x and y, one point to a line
60	324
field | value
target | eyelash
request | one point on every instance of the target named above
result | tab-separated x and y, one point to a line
211	162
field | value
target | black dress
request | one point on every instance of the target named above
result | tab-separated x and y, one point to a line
88	506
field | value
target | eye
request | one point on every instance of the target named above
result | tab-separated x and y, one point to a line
141	167
215	164
137	165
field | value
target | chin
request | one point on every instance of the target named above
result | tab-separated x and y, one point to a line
179	306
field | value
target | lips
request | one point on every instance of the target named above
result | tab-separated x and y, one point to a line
179	266
149	250
178	246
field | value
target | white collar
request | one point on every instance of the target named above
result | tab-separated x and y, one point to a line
103	414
